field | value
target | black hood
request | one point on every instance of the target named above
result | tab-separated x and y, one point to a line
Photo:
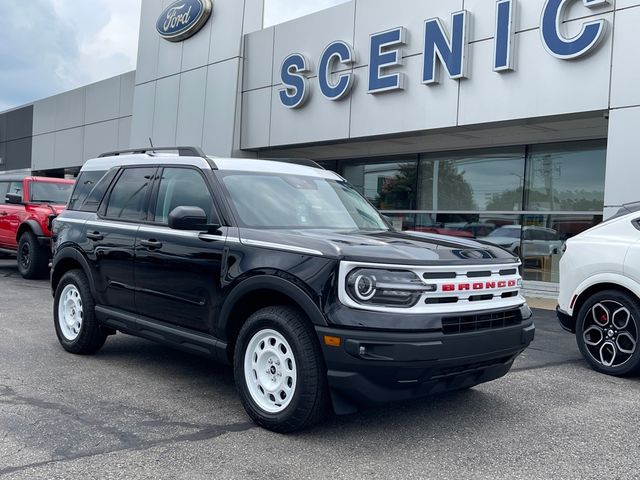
409	248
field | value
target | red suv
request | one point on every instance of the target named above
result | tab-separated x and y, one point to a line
25	207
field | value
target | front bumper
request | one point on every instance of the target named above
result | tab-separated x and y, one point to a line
371	368
566	321
45	241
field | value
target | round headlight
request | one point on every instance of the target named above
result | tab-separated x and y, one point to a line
386	288
364	287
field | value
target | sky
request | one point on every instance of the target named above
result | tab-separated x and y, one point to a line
50	46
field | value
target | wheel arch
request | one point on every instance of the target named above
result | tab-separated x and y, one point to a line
66	260
622	284
27	225
258	292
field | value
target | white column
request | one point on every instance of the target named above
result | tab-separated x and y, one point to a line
189	92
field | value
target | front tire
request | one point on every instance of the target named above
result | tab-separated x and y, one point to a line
607	333
279	370
33	259
74	315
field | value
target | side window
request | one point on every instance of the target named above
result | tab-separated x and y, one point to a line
94	199
84	184
182	187
4	189
15	188
129	195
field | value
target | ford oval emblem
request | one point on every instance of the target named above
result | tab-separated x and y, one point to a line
183	18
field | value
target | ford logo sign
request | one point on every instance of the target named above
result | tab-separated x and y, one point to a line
183	18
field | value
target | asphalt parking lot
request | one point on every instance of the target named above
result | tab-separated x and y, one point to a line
139	410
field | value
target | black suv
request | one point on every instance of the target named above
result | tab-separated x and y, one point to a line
283	270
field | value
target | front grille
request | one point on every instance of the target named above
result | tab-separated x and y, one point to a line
486	321
461	369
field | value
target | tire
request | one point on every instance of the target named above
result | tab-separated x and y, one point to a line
74	316
607	333
33	258
300	374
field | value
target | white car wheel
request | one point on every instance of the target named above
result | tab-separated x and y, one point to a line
70	312
270	371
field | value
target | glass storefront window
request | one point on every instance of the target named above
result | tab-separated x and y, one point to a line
463	225
480	181
550	190
566	177
387	183
542	239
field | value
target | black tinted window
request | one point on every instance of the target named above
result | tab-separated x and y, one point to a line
84	184
129	195
182	187
94	199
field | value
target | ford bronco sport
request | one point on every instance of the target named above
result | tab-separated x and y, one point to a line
283	270
26	205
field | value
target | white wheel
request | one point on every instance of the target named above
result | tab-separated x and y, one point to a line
70	312
270	371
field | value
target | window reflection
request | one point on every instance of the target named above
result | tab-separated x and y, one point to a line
542	241
389	185
469	186
488	180
566	177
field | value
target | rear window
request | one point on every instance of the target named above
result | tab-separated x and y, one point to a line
84	185
94	199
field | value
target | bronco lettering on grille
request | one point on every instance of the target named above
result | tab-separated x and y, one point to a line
460	287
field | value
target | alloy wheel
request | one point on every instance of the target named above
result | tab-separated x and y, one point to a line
610	333
25	255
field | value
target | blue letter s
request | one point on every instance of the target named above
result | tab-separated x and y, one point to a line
296	90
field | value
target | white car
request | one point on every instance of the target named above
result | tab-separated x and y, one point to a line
536	241
599	297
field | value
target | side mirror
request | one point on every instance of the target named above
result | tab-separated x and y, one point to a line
189	218
13	199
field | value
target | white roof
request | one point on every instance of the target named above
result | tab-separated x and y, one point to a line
268	166
224	164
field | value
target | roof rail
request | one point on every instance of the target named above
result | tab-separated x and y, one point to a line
182	151
304	162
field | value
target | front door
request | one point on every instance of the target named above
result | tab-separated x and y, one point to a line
178	272
10	216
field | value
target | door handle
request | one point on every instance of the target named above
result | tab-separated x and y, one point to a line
95	236
151	244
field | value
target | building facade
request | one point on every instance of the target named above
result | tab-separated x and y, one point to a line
510	120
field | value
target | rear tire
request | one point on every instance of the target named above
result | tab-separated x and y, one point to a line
608	331
74	315
33	259
279	370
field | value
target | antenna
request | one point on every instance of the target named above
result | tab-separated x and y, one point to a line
151	143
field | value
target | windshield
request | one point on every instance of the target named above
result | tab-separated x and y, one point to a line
506	232
49	192
266	200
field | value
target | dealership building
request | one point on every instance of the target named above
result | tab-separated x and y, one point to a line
466	117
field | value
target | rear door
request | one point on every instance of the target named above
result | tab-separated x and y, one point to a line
111	236
178	272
